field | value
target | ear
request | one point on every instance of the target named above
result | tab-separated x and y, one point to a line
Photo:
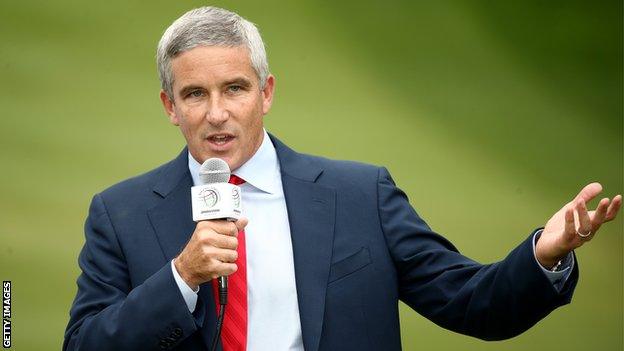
267	94
169	106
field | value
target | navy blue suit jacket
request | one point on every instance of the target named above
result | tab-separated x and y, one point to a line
358	248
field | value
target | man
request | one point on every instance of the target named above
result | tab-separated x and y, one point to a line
327	247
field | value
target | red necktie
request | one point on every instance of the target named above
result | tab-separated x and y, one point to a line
234	330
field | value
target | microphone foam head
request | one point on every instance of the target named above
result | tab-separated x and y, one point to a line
214	170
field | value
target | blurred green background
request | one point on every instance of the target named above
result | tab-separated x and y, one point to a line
489	114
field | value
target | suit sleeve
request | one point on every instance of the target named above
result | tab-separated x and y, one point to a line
108	313
490	302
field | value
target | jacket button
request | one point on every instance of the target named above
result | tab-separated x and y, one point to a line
163	344
177	332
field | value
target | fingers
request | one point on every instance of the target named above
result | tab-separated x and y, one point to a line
589	192
219	234
223	255
585	224
225	227
226	269
211	251
223	261
600	214
569	220
222	241
614	207
220	226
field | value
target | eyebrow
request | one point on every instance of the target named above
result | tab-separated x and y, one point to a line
189	88
239	81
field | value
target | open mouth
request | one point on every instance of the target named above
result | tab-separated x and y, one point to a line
220	139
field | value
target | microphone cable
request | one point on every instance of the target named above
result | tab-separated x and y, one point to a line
223	291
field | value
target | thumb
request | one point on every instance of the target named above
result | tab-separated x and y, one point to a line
241	223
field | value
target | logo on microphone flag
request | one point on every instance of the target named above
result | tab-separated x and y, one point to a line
236	197
209	196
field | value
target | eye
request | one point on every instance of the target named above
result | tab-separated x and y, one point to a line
196	93
234	88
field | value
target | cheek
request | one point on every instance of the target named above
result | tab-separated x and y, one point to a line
254	110
188	126
239	107
192	112
190	117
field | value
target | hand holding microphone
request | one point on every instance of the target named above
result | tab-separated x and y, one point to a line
211	251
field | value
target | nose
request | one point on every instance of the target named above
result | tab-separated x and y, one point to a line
217	114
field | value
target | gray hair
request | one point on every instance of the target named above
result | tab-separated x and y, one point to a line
209	26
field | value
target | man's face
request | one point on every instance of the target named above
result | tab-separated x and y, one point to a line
218	103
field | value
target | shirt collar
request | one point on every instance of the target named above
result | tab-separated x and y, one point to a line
261	171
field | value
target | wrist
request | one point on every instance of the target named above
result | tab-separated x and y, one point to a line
547	260
548	263
179	266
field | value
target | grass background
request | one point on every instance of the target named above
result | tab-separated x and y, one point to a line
490	115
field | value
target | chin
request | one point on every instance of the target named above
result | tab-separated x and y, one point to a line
233	164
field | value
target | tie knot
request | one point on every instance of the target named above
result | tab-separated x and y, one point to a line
236	180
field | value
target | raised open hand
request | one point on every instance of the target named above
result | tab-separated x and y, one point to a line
572	226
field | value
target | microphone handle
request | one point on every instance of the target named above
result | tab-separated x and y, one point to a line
223	290
223	282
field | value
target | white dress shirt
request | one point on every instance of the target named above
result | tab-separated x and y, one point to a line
273	321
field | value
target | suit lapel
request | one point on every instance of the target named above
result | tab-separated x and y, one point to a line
311	214
171	217
172	221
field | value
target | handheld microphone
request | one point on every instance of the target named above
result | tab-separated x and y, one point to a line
215	198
